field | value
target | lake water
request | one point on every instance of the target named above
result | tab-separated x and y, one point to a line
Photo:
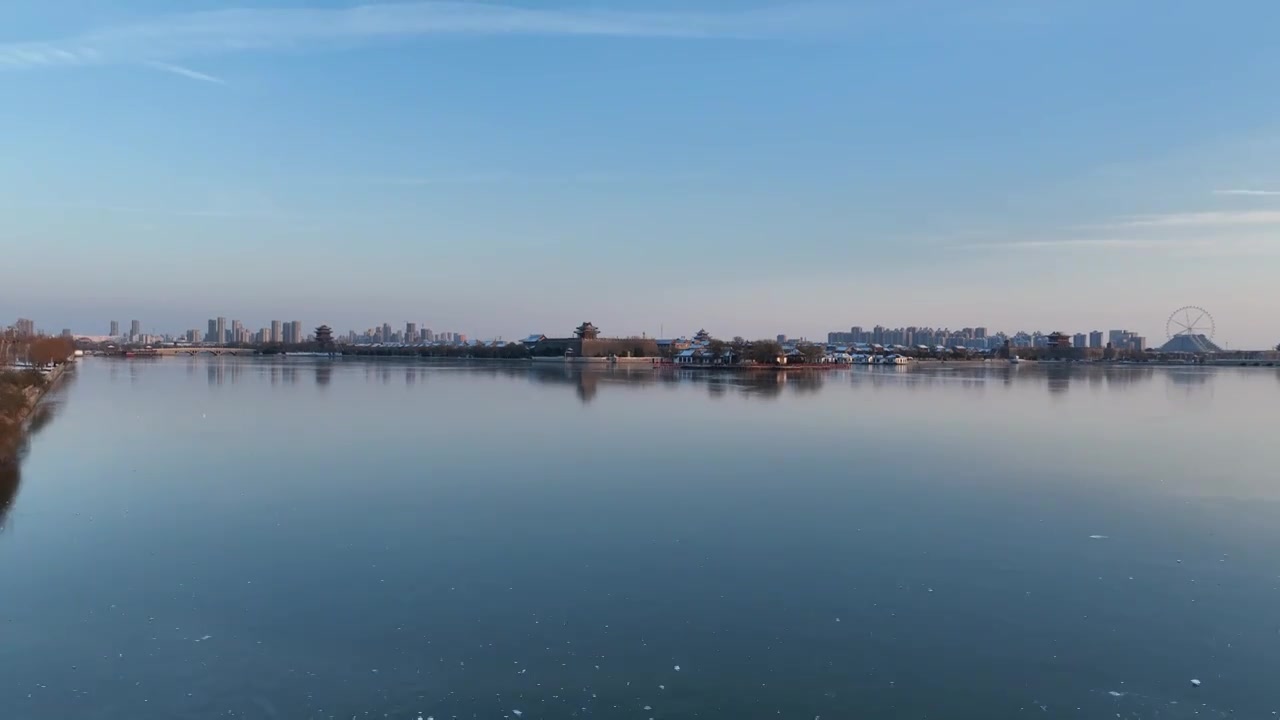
298	538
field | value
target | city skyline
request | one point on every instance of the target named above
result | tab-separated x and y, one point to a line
973	337
752	165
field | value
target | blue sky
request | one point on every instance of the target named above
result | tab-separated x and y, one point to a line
751	167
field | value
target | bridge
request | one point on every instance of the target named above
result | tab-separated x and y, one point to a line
196	350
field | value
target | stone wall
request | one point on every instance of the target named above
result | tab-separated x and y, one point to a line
602	347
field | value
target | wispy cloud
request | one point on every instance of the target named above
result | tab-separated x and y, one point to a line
1069	244
159	210
173	37
495	177
1249	193
1203	219
187	73
1198	246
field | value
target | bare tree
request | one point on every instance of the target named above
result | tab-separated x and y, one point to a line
812	353
765	351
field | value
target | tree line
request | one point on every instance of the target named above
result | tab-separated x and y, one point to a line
40	351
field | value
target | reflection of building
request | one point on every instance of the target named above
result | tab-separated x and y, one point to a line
587	343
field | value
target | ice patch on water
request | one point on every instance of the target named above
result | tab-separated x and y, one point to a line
206	637
517	713
677	668
1097	537
1113	693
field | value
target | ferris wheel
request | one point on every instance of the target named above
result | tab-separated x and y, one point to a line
1190	321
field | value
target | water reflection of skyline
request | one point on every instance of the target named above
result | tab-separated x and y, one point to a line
588	381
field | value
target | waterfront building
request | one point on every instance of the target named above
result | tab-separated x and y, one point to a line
1095	339
1058	340
277	331
115	328
324	337
135	329
586	342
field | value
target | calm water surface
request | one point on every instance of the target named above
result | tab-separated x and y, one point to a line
256	538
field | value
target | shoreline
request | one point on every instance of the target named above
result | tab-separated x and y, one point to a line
13	428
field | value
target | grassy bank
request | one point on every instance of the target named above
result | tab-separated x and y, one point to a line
20	392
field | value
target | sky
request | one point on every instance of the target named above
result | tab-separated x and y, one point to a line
753	167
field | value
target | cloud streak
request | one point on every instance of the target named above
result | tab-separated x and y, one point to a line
1070	244
1249	193
174	37
187	73
1202	247
1204	219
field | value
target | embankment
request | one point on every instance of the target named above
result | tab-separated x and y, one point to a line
17	410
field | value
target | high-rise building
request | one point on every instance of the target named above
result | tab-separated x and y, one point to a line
427	336
220	331
263	337
296	331
287	334
386	332
66	333
877	335
979	333
1095	339
135	329
1080	340
277	332
212	335
410	332
25	326
115	328
237	331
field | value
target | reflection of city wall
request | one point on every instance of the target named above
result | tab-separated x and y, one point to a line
765	384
